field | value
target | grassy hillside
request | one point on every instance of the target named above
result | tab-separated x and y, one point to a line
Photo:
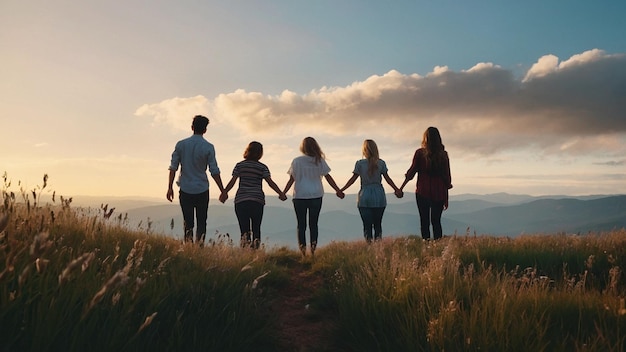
75	281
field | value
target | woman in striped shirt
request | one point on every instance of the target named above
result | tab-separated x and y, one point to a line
250	199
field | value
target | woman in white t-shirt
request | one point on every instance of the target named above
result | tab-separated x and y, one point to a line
306	172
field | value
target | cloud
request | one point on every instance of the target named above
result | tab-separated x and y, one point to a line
175	112
557	107
612	163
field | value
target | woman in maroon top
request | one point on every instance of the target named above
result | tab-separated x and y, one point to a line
432	166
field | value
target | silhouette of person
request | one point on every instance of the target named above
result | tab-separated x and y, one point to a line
432	166
371	199
250	199
194	155
306	172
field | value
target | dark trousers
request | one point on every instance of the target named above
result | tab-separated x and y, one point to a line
249	214
313	208
430	212
372	217
198	204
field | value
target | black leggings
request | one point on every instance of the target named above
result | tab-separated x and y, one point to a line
249	214
313	207
430	212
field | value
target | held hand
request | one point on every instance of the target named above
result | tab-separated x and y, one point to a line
399	193
445	205
340	194
223	197
282	196
170	194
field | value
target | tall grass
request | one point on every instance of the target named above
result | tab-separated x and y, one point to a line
71	280
482	293
78	279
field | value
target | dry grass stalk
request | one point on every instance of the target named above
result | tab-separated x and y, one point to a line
4	221
119	279
147	322
80	262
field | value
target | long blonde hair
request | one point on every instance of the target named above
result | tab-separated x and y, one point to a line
435	150
370	152
310	147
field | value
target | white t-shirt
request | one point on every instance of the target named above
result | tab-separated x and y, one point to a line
308	177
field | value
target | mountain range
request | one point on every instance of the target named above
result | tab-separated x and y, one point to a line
499	214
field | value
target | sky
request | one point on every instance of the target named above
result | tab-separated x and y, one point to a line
529	96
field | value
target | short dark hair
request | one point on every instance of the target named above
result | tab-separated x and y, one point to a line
254	151
199	123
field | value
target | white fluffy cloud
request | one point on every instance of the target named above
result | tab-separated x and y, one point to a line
566	106
176	112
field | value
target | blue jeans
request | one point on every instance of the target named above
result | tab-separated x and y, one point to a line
313	208
430	212
198	203
249	214
372	217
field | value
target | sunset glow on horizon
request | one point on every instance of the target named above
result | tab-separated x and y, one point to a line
529	97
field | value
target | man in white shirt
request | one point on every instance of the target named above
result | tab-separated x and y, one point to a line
194	155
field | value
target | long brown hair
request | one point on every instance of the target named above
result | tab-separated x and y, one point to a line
370	152
435	151
310	147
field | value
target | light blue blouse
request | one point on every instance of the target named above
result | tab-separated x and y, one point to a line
372	193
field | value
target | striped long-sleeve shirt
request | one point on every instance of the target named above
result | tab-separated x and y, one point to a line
251	174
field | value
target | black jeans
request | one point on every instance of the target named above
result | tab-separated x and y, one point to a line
313	207
372	217
430	212
198	203
249	214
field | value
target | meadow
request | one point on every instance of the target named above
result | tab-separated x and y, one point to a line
75	279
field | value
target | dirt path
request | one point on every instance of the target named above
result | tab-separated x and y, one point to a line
300	328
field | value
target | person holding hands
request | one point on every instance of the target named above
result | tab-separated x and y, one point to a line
250	199
371	199
432	166
306	172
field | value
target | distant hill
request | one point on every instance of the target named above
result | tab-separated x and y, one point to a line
496	214
549	216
